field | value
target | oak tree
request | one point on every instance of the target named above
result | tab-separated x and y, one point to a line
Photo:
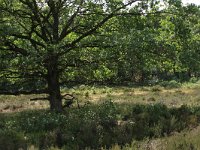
40	34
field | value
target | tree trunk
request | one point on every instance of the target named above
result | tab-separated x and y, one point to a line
55	98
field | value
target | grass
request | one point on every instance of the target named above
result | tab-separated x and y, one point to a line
175	97
187	94
9	104
150	117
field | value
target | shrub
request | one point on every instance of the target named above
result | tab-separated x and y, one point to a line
156	88
193	80
95	126
11	140
158	120
40	121
170	84
107	111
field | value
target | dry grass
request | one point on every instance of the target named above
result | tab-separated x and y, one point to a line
145	95
186	95
19	103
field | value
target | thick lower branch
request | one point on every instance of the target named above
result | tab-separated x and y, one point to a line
24	92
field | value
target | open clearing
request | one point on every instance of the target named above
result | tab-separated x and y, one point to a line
188	94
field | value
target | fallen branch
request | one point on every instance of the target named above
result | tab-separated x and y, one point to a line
70	100
63	96
39	98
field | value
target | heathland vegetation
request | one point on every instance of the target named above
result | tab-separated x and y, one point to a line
99	74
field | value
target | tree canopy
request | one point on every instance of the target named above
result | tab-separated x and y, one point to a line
52	42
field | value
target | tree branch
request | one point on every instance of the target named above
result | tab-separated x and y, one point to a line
65	30
34	8
14	48
28	38
23	92
30	74
95	27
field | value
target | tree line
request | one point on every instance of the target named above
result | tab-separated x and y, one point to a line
47	44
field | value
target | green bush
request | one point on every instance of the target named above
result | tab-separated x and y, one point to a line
12	140
156	88
41	121
95	126
158	120
193	79
170	84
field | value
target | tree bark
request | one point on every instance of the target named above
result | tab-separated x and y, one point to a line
55	98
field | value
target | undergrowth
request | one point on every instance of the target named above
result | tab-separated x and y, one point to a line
94	126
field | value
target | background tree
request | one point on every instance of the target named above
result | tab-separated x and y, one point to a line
159	44
46	44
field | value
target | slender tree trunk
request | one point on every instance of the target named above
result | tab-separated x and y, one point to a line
54	86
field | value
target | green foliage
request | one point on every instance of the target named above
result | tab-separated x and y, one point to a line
40	121
12	140
92	46
96	126
170	84
107	113
158	120
194	79
133	49
156	88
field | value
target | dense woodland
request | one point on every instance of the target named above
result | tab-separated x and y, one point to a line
49	44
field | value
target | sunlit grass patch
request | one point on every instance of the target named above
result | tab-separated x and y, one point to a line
172	97
21	102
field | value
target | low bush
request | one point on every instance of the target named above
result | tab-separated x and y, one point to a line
95	126
194	79
170	84
12	140
156	88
